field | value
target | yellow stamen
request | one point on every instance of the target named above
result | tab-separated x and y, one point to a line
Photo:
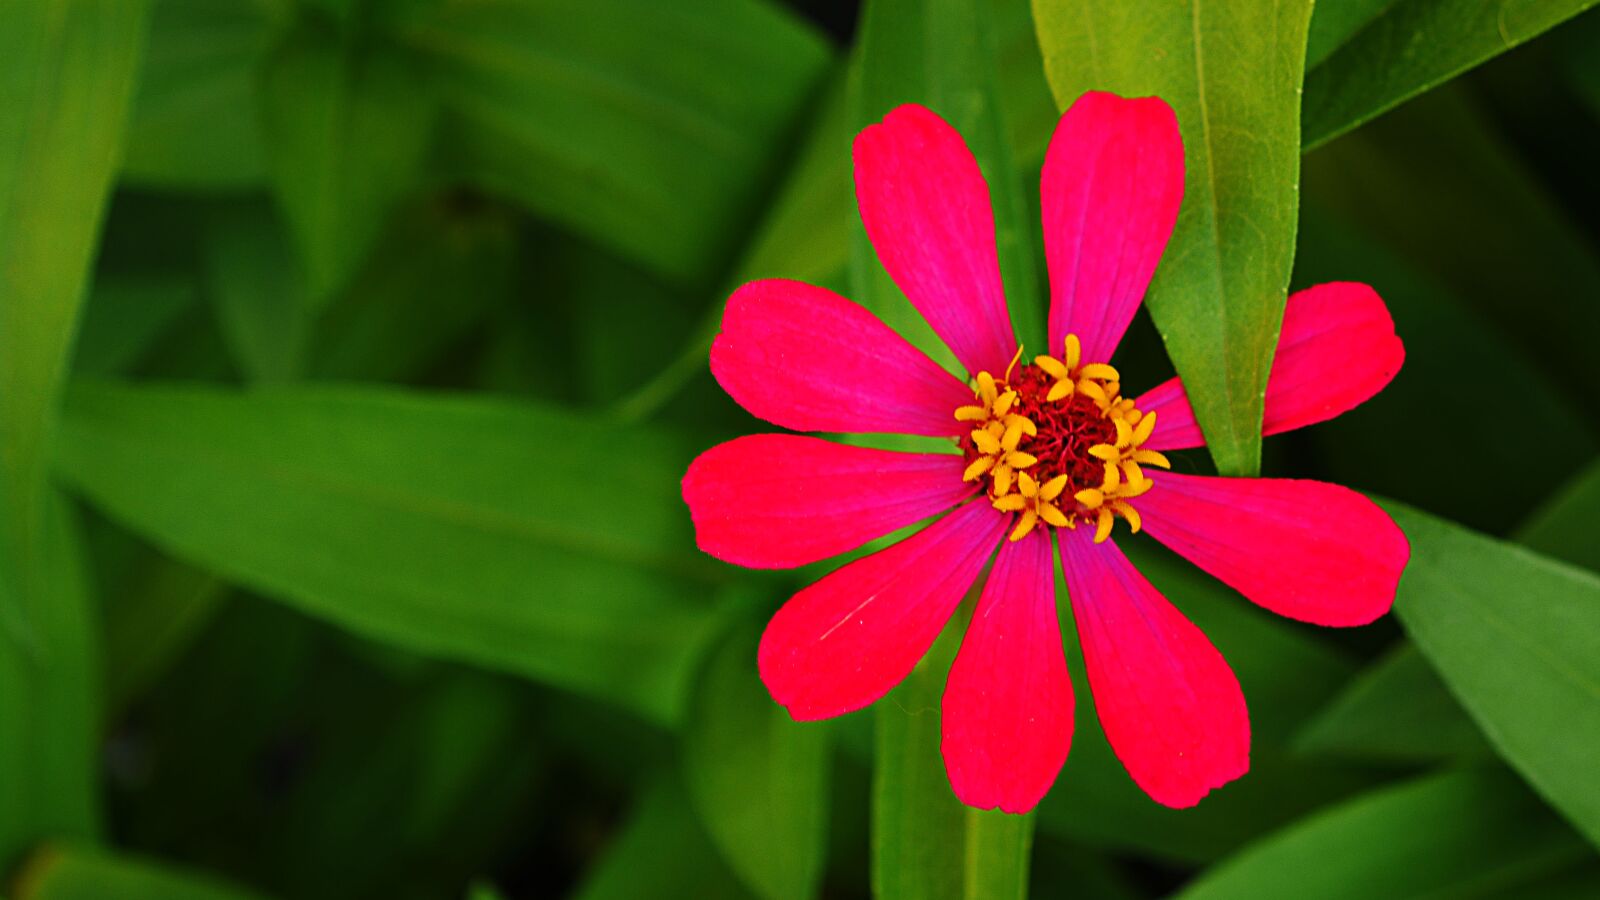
1025	525
1102	528
976	469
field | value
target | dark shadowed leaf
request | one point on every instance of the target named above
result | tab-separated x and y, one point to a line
259	292
1567	526
646	126
76	873
660	850
1232	70
347	127
1397	710
1413	45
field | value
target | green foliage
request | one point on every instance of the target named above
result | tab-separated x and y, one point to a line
1232	71
352	352
925	843
758	779
454	526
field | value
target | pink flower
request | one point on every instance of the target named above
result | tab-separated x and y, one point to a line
1047	446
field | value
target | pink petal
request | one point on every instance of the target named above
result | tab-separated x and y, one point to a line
1311	551
1337	350
1112	184
1170	706
806	358
775	501
1007	721
926	208
847	640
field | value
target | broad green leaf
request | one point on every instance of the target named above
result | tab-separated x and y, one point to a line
660	851
1516	637
646	126
507	535
943	55
1414	45
194	124
429	283
1565	527
926	845
758	779
1232	71
348	124
1467	833
1397	710
77	873
1437	183
66	76
258	291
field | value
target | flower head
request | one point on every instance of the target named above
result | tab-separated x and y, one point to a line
1050	454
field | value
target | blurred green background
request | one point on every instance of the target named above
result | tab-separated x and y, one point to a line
351	352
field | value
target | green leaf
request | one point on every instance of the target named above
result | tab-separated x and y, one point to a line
1469	833
348	125
1232	71
1334	24
1516	637
259	293
194	124
645	126
661	850
926	845
76	873
1414	45
1565	527
473	529
66	76
1397	710
49	699
758	779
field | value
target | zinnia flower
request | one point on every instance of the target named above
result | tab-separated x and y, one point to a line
1048	446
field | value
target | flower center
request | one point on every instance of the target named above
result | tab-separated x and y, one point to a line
1058	444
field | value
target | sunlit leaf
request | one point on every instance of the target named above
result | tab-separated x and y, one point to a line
1232	71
